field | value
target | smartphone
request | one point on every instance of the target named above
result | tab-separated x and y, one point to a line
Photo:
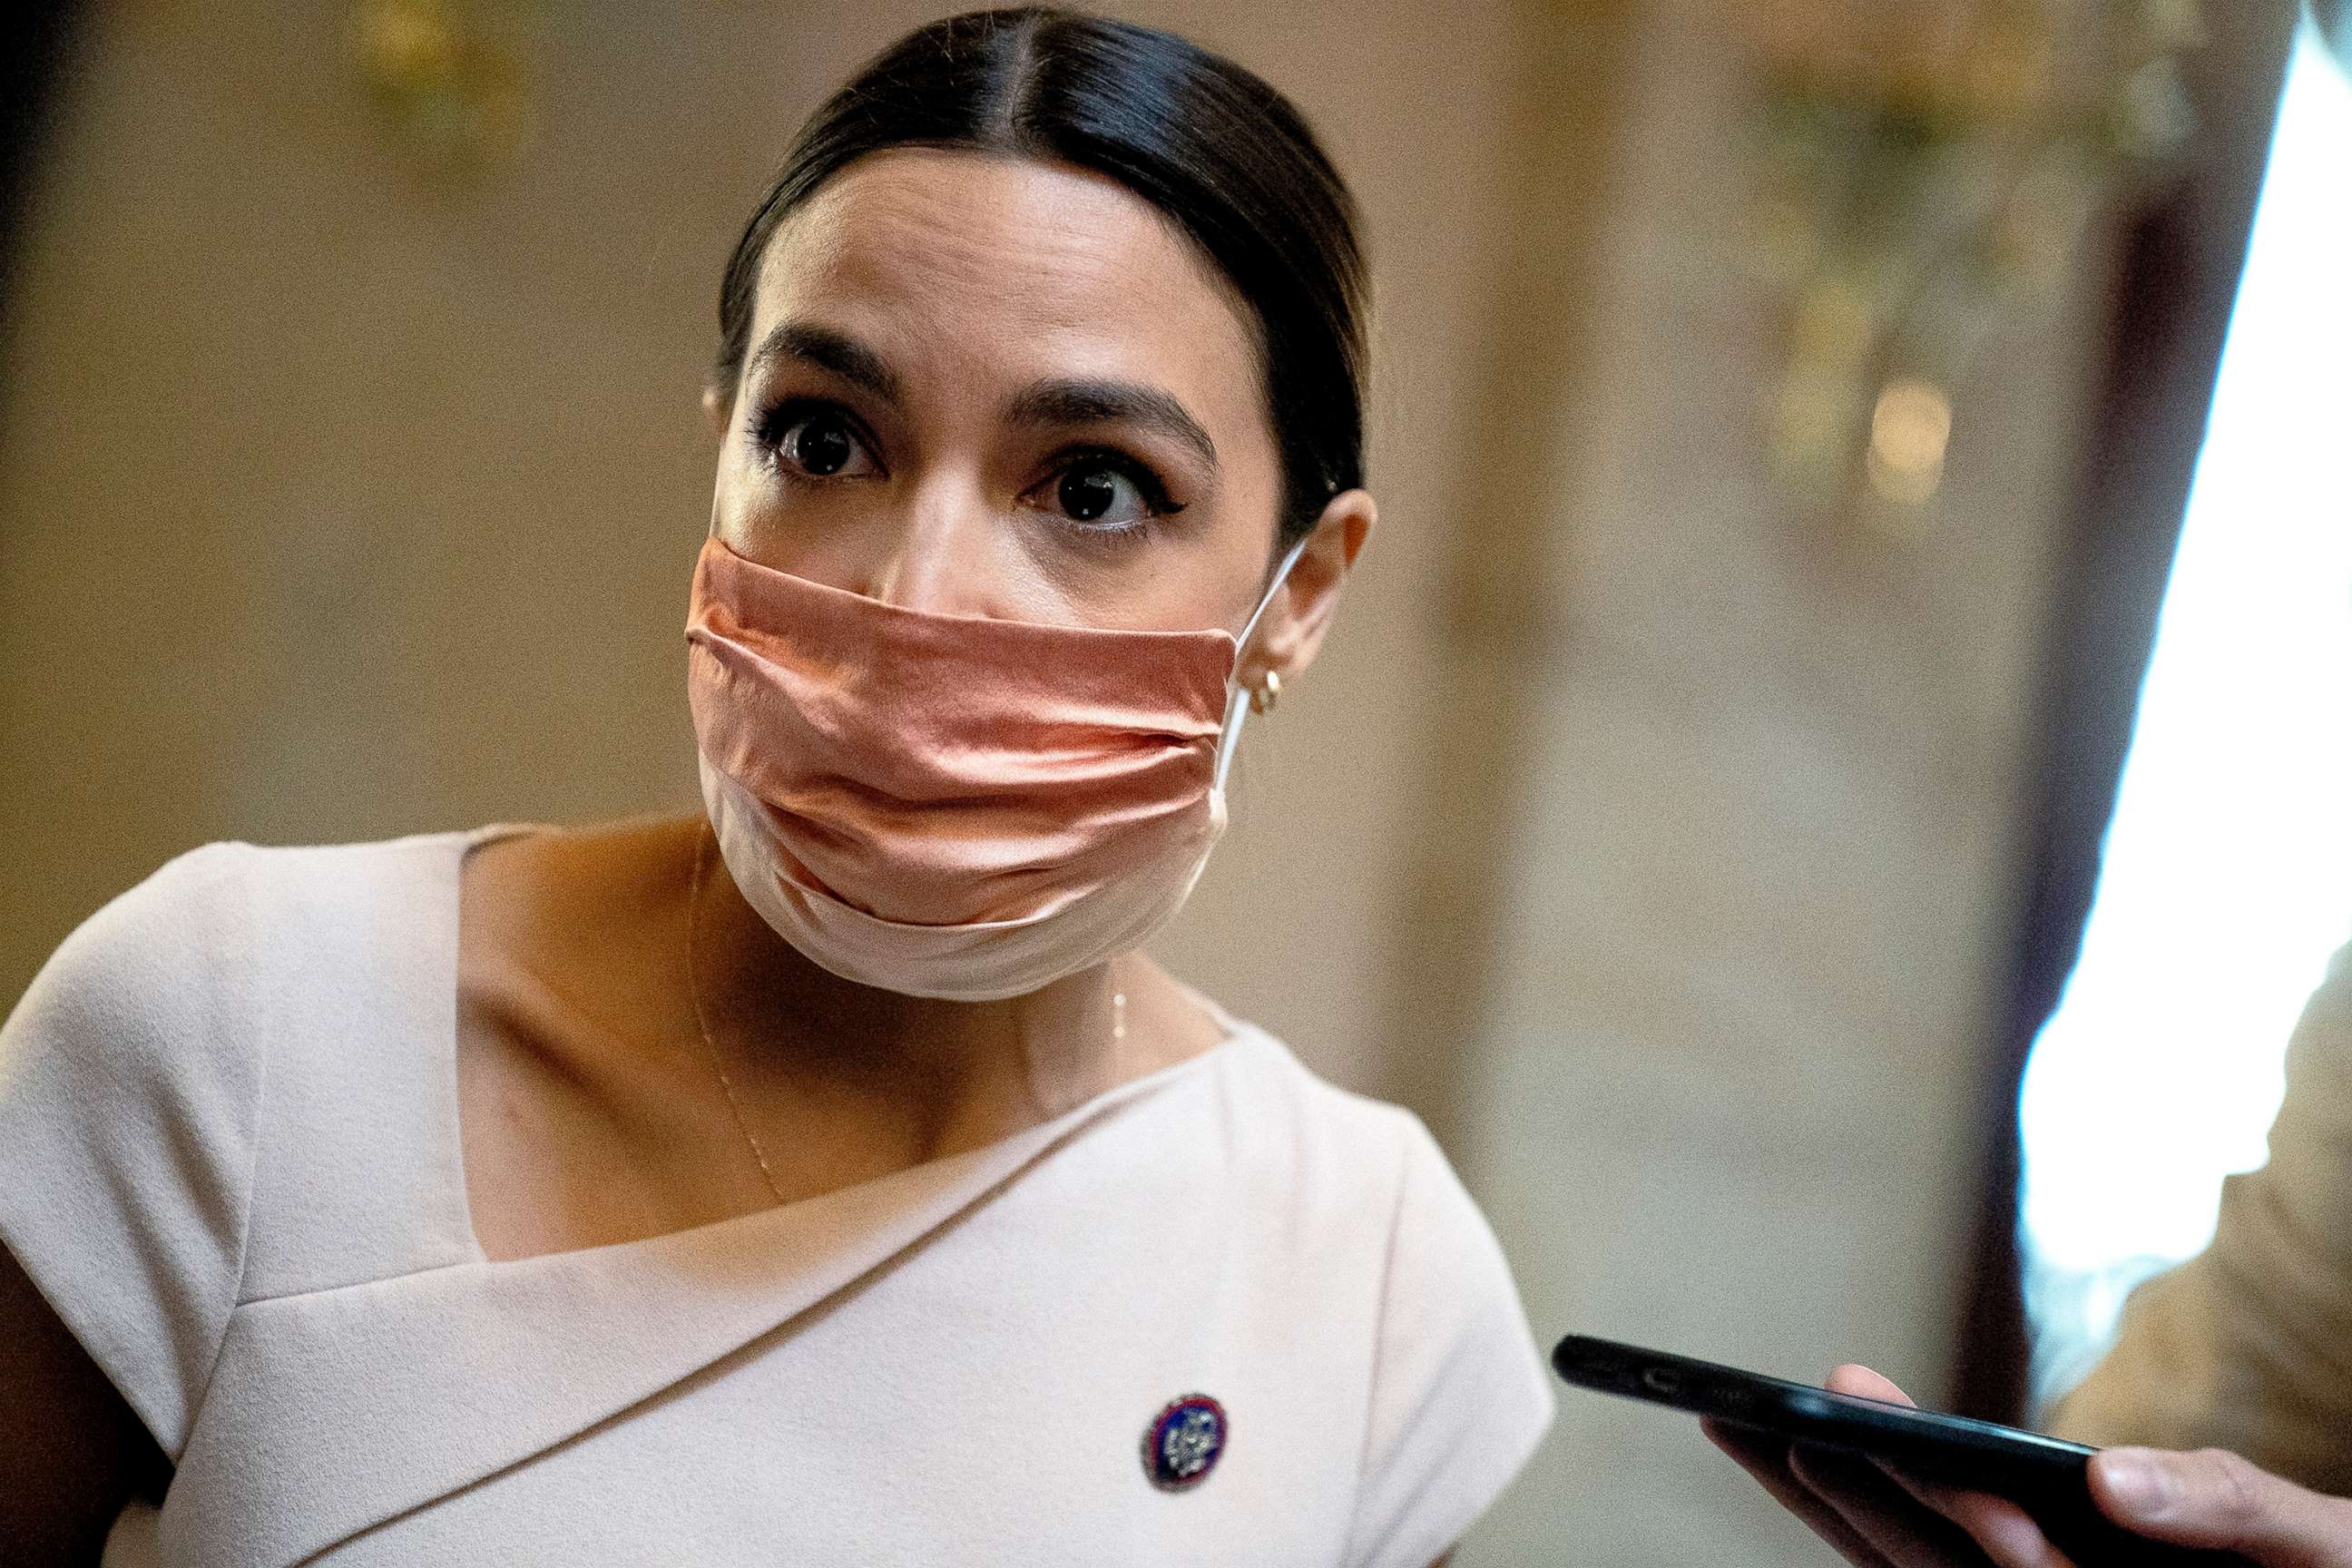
2045	1476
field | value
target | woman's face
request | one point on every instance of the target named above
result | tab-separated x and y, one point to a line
989	386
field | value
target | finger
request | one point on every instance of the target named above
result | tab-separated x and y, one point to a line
1895	1525
1864	1383
1766	1458
2007	1533
2214	1498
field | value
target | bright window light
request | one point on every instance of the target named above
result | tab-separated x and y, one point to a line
2227	875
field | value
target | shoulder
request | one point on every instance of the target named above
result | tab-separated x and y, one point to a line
135	1070
159	960
128	1103
1332	1161
2321	1046
1345	1153
1459	1395
198	904
1282	1111
185	949
1280	1086
155	1014
1266	1085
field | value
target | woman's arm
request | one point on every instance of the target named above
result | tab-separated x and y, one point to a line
71	1452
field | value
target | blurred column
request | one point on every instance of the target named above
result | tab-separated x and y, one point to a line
1501	621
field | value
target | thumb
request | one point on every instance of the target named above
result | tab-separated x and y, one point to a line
2215	1498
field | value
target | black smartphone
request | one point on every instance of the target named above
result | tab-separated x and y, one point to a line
2045	1476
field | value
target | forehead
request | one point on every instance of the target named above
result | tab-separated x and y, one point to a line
1010	269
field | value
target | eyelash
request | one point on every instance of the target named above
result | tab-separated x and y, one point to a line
778	418
774	421
1154	491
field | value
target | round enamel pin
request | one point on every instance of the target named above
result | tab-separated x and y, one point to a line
1183	1442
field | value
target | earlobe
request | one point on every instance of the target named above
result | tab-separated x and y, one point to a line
1309	597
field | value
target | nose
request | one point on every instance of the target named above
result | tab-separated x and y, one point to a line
939	553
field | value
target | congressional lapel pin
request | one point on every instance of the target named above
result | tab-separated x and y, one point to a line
1184	1442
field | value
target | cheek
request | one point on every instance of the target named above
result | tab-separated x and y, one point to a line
1217	582
734	484
1247	543
756	512
1198	573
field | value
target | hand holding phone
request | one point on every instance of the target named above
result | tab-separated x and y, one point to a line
1878	1518
1891	1486
2175	1506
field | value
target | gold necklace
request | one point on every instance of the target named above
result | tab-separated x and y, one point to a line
710	1046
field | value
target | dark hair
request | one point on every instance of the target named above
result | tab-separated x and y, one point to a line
1210	145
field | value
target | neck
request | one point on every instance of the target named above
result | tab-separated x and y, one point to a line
985	1066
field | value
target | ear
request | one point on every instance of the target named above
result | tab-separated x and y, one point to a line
1291	632
718	411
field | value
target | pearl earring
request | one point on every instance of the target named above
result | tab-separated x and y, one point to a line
1263	698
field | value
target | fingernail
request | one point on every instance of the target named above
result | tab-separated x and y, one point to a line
2136	1480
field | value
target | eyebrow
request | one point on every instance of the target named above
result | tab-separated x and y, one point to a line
1108	403
827	350
1043	403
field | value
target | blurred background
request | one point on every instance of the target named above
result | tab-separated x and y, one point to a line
1851	550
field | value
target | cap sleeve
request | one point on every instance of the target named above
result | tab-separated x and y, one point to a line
129	1093
1459	1397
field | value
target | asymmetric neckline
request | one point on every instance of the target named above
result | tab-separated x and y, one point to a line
227	1157
894	1187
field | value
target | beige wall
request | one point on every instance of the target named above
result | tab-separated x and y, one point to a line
1727	1095
337	502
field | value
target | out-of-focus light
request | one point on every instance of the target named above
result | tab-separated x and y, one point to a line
404	44
448	78
1909	429
2155	115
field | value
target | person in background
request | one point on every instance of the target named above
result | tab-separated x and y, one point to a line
2243	1354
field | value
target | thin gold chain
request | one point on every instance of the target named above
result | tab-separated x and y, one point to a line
710	1046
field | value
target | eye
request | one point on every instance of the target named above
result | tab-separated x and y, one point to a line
1108	492
817	442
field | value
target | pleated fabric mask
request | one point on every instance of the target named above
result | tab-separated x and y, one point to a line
952	805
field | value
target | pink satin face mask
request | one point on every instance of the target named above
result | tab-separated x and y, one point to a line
950	805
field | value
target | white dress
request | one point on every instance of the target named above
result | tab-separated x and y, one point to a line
229	1158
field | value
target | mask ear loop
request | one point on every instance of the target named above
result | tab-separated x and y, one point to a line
1236	706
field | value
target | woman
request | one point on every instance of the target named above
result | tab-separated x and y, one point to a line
824	1176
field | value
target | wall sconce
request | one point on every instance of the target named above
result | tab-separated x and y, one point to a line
447	80
1922	166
